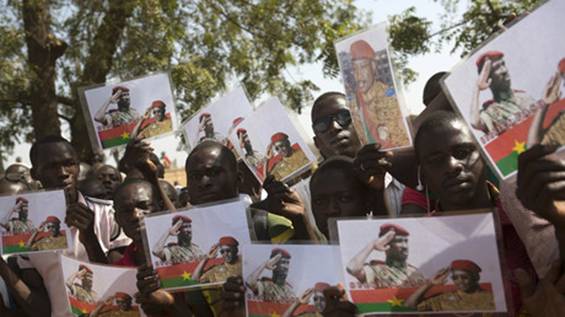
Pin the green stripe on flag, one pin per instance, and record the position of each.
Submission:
(114, 142)
(76, 311)
(382, 307)
(8, 249)
(508, 164)
(177, 282)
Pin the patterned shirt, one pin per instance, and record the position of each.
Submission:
(175, 253)
(496, 115)
(269, 291)
(16, 226)
(381, 275)
(221, 272)
(459, 301)
(116, 118)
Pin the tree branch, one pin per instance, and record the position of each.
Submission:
(68, 119)
(65, 101)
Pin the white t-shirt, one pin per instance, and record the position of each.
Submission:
(49, 264)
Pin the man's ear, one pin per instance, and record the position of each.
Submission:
(316, 142)
(33, 172)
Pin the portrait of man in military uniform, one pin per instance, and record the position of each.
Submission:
(283, 158)
(395, 271)
(181, 251)
(313, 295)
(156, 122)
(252, 157)
(376, 101)
(468, 296)
(276, 288)
(21, 223)
(80, 285)
(553, 110)
(123, 114)
(206, 126)
(231, 265)
(118, 305)
(55, 239)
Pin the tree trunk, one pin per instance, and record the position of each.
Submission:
(43, 49)
(97, 67)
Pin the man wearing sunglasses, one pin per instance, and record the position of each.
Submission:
(228, 248)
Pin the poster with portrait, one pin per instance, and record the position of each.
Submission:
(373, 97)
(444, 264)
(288, 280)
(511, 91)
(100, 290)
(197, 247)
(143, 106)
(34, 222)
(270, 144)
(218, 120)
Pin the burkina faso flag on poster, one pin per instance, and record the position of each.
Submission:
(505, 149)
(180, 275)
(116, 136)
(257, 308)
(15, 243)
(80, 308)
(392, 299)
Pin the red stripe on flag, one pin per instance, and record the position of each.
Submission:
(178, 269)
(266, 308)
(80, 305)
(385, 294)
(117, 131)
(14, 240)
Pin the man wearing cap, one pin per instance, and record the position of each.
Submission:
(394, 272)
(228, 248)
(124, 113)
(376, 100)
(157, 121)
(548, 125)
(316, 294)
(275, 289)
(508, 105)
(207, 126)
(122, 308)
(54, 239)
(21, 224)
(181, 251)
(252, 157)
(469, 296)
(284, 158)
(80, 285)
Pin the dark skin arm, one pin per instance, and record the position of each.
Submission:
(153, 300)
(233, 295)
(285, 202)
(30, 296)
(81, 217)
(336, 303)
(541, 187)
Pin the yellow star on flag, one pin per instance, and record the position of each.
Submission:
(125, 135)
(84, 311)
(519, 147)
(274, 314)
(21, 244)
(395, 301)
(185, 276)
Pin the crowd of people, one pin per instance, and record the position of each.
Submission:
(444, 172)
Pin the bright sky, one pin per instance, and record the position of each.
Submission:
(380, 9)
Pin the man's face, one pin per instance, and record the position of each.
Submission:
(87, 281)
(464, 281)
(185, 234)
(281, 269)
(208, 127)
(398, 250)
(123, 304)
(319, 301)
(110, 178)
(245, 143)
(158, 113)
(337, 139)
(57, 167)
(364, 73)
(132, 205)
(52, 228)
(229, 253)
(124, 102)
(452, 166)
(283, 148)
(209, 176)
(336, 194)
(23, 212)
(499, 75)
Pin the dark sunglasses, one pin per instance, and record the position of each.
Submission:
(323, 124)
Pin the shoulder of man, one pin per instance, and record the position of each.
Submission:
(377, 263)
(266, 279)
(271, 227)
(487, 104)
(171, 244)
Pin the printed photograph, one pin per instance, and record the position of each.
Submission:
(446, 264)
(100, 290)
(218, 120)
(270, 144)
(34, 222)
(287, 280)
(141, 107)
(372, 94)
(198, 247)
(510, 95)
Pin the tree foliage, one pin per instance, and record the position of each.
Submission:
(206, 45)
